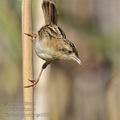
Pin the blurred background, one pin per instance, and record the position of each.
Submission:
(87, 92)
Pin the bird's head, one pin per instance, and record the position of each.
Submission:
(69, 51)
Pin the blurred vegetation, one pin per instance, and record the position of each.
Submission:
(10, 44)
(10, 53)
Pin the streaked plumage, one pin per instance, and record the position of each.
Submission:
(56, 45)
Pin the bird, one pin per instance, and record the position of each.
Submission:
(50, 42)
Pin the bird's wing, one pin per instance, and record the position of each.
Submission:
(56, 31)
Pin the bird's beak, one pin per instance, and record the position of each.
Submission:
(76, 59)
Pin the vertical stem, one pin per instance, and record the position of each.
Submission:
(27, 59)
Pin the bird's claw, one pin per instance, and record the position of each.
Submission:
(33, 86)
(33, 35)
(32, 81)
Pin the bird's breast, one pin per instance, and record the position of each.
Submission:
(43, 52)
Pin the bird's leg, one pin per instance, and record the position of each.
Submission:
(36, 81)
(33, 35)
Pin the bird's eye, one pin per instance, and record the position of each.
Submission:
(69, 51)
(66, 51)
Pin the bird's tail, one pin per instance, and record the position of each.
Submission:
(49, 11)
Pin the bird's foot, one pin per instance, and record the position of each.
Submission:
(33, 35)
(34, 83)
(33, 86)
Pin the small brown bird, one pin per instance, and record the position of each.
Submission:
(51, 42)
